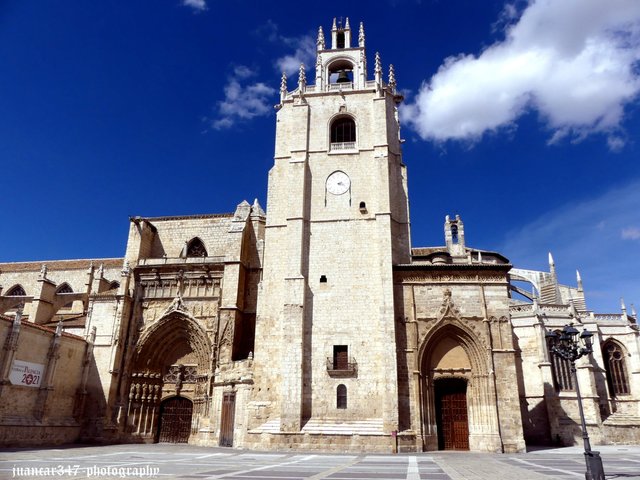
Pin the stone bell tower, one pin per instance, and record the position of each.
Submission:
(337, 222)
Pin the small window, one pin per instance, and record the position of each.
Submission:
(616, 369)
(340, 357)
(341, 397)
(196, 248)
(454, 233)
(64, 288)
(340, 40)
(16, 291)
(323, 279)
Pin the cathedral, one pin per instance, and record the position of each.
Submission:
(314, 325)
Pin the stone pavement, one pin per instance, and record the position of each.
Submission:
(166, 461)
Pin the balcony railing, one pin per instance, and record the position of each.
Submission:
(340, 86)
(336, 369)
(337, 146)
(179, 260)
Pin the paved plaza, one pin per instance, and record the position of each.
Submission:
(167, 461)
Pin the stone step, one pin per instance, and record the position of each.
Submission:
(328, 427)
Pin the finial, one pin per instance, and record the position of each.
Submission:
(283, 84)
(346, 24)
(90, 269)
(125, 269)
(361, 35)
(334, 27)
(579, 279)
(320, 42)
(392, 78)
(378, 65)
(302, 78)
(59, 328)
(633, 311)
(101, 271)
(43, 271)
(622, 306)
(551, 262)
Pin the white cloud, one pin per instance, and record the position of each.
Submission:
(197, 5)
(305, 52)
(588, 236)
(304, 48)
(630, 233)
(573, 61)
(243, 100)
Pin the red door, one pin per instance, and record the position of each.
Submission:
(451, 411)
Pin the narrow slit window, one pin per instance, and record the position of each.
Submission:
(341, 397)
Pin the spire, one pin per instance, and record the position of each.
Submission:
(633, 311)
(623, 306)
(552, 265)
(579, 279)
(361, 35)
(320, 42)
(392, 78)
(346, 24)
(378, 65)
(334, 26)
(302, 78)
(283, 87)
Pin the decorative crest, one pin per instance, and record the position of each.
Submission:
(361, 35)
(320, 42)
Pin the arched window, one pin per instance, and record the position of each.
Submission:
(196, 248)
(560, 370)
(16, 291)
(64, 288)
(343, 134)
(341, 396)
(616, 369)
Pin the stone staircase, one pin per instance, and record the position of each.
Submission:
(372, 426)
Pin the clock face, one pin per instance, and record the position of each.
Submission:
(338, 183)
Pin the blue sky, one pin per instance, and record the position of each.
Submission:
(522, 117)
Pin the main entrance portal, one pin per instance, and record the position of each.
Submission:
(175, 420)
(451, 414)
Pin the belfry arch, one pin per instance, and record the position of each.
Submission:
(457, 394)
(171, 361)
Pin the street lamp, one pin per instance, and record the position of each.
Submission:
(567, 345)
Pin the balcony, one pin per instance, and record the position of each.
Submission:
(342, 146)
(145, 262)
(342, 369)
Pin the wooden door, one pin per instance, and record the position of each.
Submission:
(227, 419)
(175, 420)
(451, 411)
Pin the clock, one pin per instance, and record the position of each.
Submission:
(338, 183)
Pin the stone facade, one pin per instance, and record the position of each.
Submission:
(316, 326)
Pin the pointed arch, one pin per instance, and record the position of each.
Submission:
(453, 332)
(613, 354)
(16, 291)
(196, 248)
(170, 339)
(64, 288)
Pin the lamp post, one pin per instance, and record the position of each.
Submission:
(568, 346)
